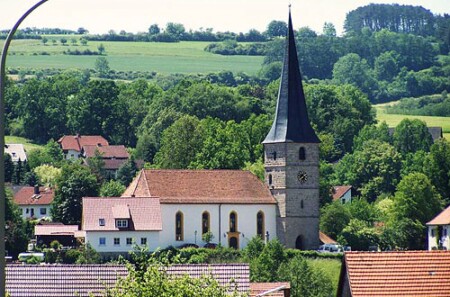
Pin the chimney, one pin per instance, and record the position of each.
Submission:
(36, 189)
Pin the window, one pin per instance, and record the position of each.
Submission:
(301, 204)
(101, 222)
(32, 212)
(302, 154)
(28, 210)
(444, 232)
(432, 232)
(260, 224)
(274, 155)
(121, 223)
(129, 241)
(116, 241)
(233, 222)
(143, 240)
(270, 179)
(102, 241)
(205, 222)
(43, 211)
(179, 226)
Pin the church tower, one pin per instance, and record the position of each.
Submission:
(291, 158)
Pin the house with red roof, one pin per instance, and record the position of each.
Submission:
(46, 233)
(439, 231)
(34, 202)
(395, 274)
(72, 144)
(114, 156)
(342, 193)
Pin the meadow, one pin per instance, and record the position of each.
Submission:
(393, 119)
(165, 58)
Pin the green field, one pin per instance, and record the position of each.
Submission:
(393, 119)
(330, 267)
(165, 58)
(29, 146)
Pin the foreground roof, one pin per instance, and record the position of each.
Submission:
(144, 213)
(76, 142)
(200, 186)
(61, 280)
(441, 219)
(291, 123)
(407, 273)
(269, 289)
(27, 196)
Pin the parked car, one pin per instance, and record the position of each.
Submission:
(187, 245)
(210, 245)
(330, 248)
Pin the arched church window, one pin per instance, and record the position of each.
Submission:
(233, 222)
(205, 222)
(302, 154)
(260, 226)
(179, 225)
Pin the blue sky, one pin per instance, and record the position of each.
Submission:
(99, 16)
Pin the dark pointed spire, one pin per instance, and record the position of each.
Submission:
(291, 123)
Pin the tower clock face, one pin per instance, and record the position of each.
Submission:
(302, 176)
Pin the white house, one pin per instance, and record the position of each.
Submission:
(439, 231)
(176, 207)
(72, 144)
(16, 151)
(34, 202)
(342, 193)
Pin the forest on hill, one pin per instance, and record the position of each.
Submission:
(218, 120)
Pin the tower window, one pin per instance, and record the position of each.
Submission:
(260, 224)
(270, 179)
(205, 222)
(301, 204)
(274, 155)
(302, 154)
(179, 226)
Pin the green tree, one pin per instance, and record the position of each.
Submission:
(329, 30)
(47, 174)
(333, 219)
(276, 29)
(88, 255)
(96, 164)
(75, 182)
(9, 167)
(102, 67)
(30, 179)
(359, 235)
(112, 188)
(44, 40)
(175, 29)
(127, 172)
(63, 40)
(101, 49)
(15, 236)
(416, 200)
(264, 268)
(305, 281)
(386, 66)
(371, 132)
(154, 29)
(411, 136)
(18, 173)
(437, 167)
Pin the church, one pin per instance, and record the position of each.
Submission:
(164, 208)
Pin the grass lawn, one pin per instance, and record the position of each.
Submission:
(29, 146)
(165, 58)
(330, 267)
(393, 119)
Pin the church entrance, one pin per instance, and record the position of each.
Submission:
(299, 243)
(233, 242)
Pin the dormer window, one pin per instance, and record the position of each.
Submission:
(122, 224)
(101, 222)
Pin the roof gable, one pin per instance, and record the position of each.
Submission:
(441, 219)
(144, 213)
(16, 151)
(201, 187)
(339, 191)
(27, 196)
(76, 142)
(408, 273)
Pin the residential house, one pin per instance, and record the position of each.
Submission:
(34, 202)
(46, 233)
(342, 193)
(439, 231)
(16, 151)
(404, 273)
(72, 144)
(114, 156)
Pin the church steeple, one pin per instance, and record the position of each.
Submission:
(291, 123)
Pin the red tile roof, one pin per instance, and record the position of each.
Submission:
(76, 142)
(26, 196)
(441, 219)
(201, 186)
(339, 191)
(145, 213)
(326, 239)
(263, 288)
(61, 280)
(113, 164)
(407, 273)
(231, 275)
(108, 151)
(52, 229)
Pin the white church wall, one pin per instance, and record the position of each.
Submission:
(219, 224)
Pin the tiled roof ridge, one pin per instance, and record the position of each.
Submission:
(198, 170)
(398, 252)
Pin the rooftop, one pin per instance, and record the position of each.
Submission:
(76, 142)
(339, 191)
(27, 196)
(441, 219)
(200, 186)
(107, 151)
